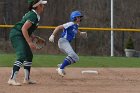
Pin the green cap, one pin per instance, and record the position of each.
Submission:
(30, 1)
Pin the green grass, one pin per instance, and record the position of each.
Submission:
(7, 60)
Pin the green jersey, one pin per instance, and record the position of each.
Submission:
(18, 41)
(31, 16)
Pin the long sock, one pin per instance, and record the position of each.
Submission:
(27, 72)
(27, 68)
(64, 64)
(15, 70)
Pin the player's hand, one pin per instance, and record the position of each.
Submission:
(51, 38)
(32, 46)
(83, 34)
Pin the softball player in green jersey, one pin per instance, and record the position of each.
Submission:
(20, 36)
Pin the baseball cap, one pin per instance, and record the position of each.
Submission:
(40, 2)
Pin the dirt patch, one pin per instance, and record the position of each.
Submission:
(109, 80)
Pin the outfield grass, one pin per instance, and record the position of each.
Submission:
(7, 60)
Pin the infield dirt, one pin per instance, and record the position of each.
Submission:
(109, 80)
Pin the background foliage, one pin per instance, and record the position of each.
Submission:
(96, 14)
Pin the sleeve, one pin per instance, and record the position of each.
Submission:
(67, 25)
(32, 18)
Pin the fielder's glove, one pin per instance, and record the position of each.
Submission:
(38, 42)
(51, 38)
(83, 34)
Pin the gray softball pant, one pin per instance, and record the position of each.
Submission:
(65, 47)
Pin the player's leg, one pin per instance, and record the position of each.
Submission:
(72, 57)
(19, 46)
(65, 47)
(27, 66)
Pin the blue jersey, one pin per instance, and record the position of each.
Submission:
(70, 31)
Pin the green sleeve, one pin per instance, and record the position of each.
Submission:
(32, 18)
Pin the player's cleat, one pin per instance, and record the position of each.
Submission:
(13, 82)
(61, 72)
(29, 81)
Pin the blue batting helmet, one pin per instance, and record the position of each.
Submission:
(75, 14)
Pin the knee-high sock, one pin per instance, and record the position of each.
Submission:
(27, 68)
(15, 70)
(27, 72)
(64, 64)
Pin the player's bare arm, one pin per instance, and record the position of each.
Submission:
(56, 30)
(25, 28)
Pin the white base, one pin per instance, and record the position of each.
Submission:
(89, 71)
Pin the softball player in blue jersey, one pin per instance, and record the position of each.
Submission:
(70, 29)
